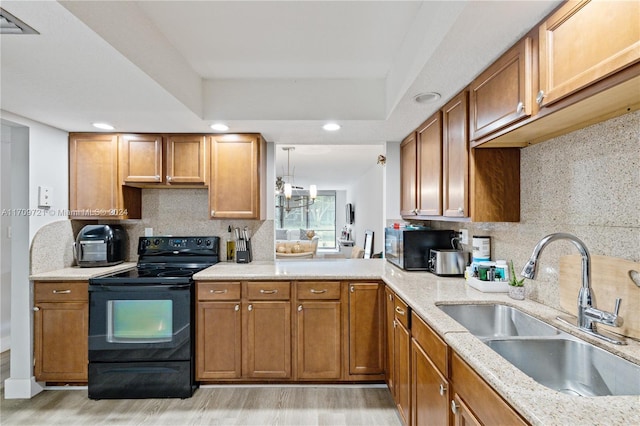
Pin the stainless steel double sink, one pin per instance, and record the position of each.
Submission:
(548, 355)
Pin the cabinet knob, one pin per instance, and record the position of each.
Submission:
(443, 389)
(158, 178)
(168, 178)
(213, 213)
(352, 289)
(236, 308)
(299, 308)
(520, 107)
(460, 210)
(36, 309)
(250, 307)
(540, 97)
(454, 407)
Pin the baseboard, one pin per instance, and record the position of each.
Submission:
(21, 388)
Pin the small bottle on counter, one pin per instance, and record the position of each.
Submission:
(231, 246)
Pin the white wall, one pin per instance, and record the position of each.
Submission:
(39, 156)
(367, 197)
(392, 183)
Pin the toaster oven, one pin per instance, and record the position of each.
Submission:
(100, 245)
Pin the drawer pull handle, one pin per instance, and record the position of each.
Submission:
(400, 311)
(443, 389)
(218, 291)
(454, 407)
(314, 291)
(263, 291)
(61, 291)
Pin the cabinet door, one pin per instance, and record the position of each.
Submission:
(462, 415)
(583, 42)
(389, 359)
(93, 173)
(502, 94)
(479, 397)
(141, 158)
(319, 336)
(186, 159)
(267, 342)
(218, 340)
(429, 188)
(61, 333)
(455, 157)
(366, 328)
(237, 166)
(401, 352)
(429, 390)
(408, 176)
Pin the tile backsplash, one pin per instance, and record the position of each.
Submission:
(586, 183)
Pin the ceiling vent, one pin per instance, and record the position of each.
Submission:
(9, 24)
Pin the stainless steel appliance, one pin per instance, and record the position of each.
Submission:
(448, 262)
(409, 248)
(141, 322)
(100, 245)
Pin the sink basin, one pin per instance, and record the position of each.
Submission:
(495, 320)
(571, 366)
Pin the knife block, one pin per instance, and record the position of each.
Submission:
(244, 256)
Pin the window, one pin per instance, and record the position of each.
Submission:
(319, 216)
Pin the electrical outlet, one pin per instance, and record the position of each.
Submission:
(464, 236)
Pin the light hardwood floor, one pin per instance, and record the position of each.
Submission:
(225, 405)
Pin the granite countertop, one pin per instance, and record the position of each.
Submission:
(75, 273)
(422, 291)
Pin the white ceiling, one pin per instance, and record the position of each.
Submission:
(281, 68)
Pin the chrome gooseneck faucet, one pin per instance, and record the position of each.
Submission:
(588, 315)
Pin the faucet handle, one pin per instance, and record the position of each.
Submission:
(616, 310)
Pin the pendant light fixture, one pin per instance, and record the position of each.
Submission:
(285, 189)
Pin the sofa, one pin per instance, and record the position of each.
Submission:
(296, 244)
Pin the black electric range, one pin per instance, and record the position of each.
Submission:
(141, 321)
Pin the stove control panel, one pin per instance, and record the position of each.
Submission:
(149, 245)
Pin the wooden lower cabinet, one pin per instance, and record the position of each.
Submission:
(366, 329)
(402, 372)
(479, 398)
(218, 340)
(318, 319)
(429, 390)
(267, 341)
(462, 415)
(389, 316)
(61, 331)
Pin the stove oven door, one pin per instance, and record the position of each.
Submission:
(133, 323)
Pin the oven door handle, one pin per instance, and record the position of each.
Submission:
(134, 288)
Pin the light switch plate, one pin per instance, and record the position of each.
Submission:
(45, 194)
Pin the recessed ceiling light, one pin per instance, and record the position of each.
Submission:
(220, 127)
(331, 127)
(427, 97)
(103, 126)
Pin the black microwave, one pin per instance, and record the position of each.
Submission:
(409, 248)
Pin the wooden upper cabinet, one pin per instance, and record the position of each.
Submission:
(141, 158)
(238, 164)
(186, 157)
(429, 166)
(408, 176)
(502, 94)
(585, 41)
(95, 190)
(455, 146)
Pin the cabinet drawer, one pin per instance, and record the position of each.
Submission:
(318, 290)
(61, 291)
(401, 312)
(430, 342)
(269, 290)
(219, 291)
